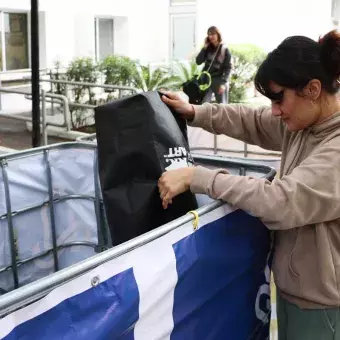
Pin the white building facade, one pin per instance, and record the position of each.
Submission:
(151, 30)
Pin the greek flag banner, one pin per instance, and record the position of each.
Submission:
(206, 284)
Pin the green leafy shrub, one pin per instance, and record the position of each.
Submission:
(79, 70)
(245, 61)
(123, 71)
(118, 70)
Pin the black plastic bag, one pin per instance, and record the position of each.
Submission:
(193, 88)
(139, 138)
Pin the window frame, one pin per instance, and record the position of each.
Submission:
(96, 34)
(3, 40)
(174, 15)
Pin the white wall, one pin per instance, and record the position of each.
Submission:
(263, 22)
(42, 39)
(15, 5)
(60, 36)
(84, 16)
(121, 36)
(141, 28)
(55, 25)
(149, 29)
(83, 31)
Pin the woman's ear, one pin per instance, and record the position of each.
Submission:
(313, 89)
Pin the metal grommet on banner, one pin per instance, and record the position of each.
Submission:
(196, 220)
(95, 281)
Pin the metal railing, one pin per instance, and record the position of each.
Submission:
(69, 83)
(103, 241)
(80, 83)
(91, 138)
(62, 99)
(246, 152)
(34, 291)
(50, 97)
(84, 84)
(31, 292)
(215, 149)
(43, 71)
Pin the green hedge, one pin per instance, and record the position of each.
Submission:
(246, 59)
(121, 70)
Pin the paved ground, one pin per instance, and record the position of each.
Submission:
(14, 135)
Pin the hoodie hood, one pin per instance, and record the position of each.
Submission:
(327, 126)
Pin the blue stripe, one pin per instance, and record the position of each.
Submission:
(108, 311)
(220, 269)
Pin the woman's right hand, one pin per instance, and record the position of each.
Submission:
(180, 105)
(206, 43)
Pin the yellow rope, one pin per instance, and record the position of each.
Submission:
(196, 219)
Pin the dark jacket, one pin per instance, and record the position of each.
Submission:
(222, 64)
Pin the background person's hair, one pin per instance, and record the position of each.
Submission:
(213, 30)
(299, 59)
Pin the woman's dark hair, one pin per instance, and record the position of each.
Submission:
(299, 59)
(215, 30)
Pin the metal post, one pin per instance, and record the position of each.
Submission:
(43, 116)
(97, 208)
(0, 96)
(11, 232)
(67, 114)
(52, 211)
(52, 108)
(245, 153)
(36, 138)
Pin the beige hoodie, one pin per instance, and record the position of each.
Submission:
(302, 206)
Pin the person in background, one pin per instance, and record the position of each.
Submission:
(301, 77)
(219, 69)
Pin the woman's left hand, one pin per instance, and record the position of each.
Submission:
(173, 183)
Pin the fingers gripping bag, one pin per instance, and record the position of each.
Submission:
(139, 138)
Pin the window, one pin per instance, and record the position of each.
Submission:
(336, 10)
(13, 41)
(103, 28)
(183, 31)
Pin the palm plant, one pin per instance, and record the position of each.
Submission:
(185, 71)
(148, 79)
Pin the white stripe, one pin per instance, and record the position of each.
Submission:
(156, 276)
(163, 262)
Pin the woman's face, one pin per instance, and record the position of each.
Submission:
(213, 37)
(297, 110)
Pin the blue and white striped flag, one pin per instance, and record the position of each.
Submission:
(208, 284)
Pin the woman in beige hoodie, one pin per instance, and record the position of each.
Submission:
(301, 77)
